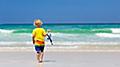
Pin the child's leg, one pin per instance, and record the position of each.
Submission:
(38, 56)
(41, 56)
(42, 53)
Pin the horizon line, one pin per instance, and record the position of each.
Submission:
(64, 23)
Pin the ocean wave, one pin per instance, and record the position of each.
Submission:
(73, 31)
(115, 30)
(66, 31)
(6, 31)
(83, 31)
(110, 35)
(23, 31)
(70, 31)
(63, 34)
(15, 31)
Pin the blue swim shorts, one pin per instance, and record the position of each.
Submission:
(39, 48)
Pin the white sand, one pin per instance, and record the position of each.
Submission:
(77, 56)
(61, 59)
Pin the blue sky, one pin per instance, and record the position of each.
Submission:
(24, 11)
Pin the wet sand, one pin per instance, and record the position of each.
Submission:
(64, 48)
(61, 59)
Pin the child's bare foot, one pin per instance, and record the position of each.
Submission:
(40, 61)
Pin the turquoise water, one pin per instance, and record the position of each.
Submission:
(27, 28)
(64, 34)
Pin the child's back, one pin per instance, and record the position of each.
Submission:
(39, 34)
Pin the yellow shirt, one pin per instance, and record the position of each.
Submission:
(39, 34)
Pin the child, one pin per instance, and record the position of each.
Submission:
(49, 36)
(38, 36)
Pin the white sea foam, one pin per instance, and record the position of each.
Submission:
(6, 31)
(13, 43)
(60, 34)
(110, 35)
(18, 44)
(115, 30)
(85, 43)
(64, 34)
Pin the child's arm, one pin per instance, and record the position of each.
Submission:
(44, 33)
(33, 39)
(33, 36)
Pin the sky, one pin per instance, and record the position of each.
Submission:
(57, 11)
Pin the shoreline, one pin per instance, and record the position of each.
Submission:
(56, 48)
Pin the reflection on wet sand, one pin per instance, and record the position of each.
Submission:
(40, 64)
(45, 61)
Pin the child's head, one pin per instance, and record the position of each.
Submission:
(38, 22)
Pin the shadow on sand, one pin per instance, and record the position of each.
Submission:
(42, 64)
(49, 61)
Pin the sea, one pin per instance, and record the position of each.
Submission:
(62, 34)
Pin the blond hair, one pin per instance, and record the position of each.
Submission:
(38, 22)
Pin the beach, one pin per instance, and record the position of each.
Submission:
(72, 33)
(84, 56)
(60, 59)
(74, 46)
